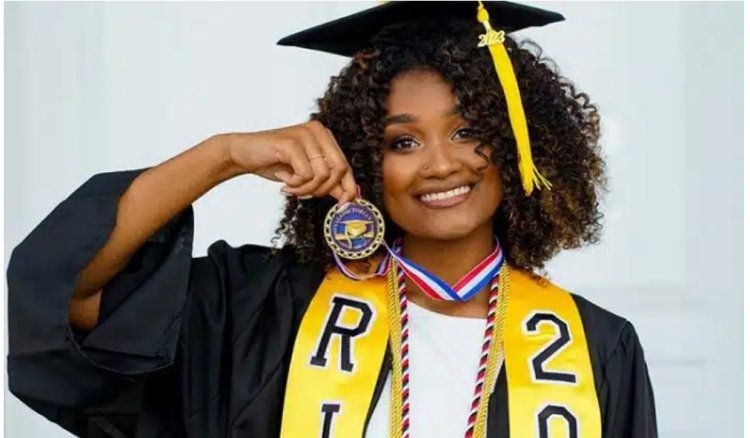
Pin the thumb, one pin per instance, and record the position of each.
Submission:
(342, 195)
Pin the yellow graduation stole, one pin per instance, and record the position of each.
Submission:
(341, 344)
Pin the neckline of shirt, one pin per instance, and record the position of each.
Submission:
(425, 313)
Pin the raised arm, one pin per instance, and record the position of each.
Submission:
(290, 154)
(153, 198)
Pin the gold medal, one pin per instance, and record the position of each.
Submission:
(356, 232)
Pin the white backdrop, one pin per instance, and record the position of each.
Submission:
(93, 87)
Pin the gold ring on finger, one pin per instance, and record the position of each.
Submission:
(317, 156)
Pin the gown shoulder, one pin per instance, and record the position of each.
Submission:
(173, 330)
(624, 388)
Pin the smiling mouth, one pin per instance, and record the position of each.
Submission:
(448, 198)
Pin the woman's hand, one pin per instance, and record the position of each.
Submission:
(305, 157)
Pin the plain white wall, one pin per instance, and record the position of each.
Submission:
(93, 87)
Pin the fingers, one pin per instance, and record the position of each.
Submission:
(297, 160)
(344, 173)
(336, 161)
(349, 187)
(330, 171)
(291, 179)
(313, 154)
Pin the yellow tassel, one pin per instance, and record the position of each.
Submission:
(530, 176)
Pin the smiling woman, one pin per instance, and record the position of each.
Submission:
(435, 184)
(485, 162)
(383, 104)
(439, 188)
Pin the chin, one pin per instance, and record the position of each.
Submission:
(444, 230)
(444, 235)
(444, 224)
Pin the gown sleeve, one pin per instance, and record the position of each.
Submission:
(92, 384)
(627, 395)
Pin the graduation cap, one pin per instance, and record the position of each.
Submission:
(348, 35)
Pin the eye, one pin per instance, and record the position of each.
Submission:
(403, 143)
(466, 133)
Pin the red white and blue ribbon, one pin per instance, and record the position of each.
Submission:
(379, 272)
(437, 289)
(465, 288)
(481, 379)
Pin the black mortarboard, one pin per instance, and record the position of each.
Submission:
(347, 35)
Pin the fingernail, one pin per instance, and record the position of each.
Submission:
(277, 175)
(302, 198)
(343, 207)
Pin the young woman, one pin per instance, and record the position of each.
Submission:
(115, 330)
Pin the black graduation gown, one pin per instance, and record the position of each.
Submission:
(200, 347)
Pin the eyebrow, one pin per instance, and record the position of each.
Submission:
(408, 118)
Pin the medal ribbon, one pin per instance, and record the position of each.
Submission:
(435, 288)
(488, 363)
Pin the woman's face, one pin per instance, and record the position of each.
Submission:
(435, 185)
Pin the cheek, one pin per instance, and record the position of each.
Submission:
(494, 184)
(397, 178)
(495, 179)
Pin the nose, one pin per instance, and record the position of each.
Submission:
(440, 160)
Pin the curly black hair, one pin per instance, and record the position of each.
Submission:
(563, 127)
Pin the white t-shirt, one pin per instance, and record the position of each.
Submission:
(443, 357)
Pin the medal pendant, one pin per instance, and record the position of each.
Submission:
(355, 233)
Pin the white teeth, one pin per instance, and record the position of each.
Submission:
(444, 195)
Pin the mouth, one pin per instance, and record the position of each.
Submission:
(446, 199)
